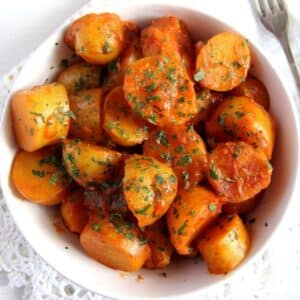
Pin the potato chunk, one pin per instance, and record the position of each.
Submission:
(149, 187)
(238, 171)
(160, 91)
(161, 248)
(122, 125)
(115, 242)
(241, 118)
(40, 116)
(224, 245)
(223, 62)
(88, 164)
(181, 148)
(73, 212)
(80, 76)
(190, 213)
(97, 38)
(86, 106)
(39, 177)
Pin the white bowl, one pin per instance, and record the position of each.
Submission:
(185, 278)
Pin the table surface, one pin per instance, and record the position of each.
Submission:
(23, 26)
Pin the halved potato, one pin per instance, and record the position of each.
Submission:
(189, 215)
(149, 187)
(40, 116)
(39, 177)
(224, 245)
(86, 106)
(121, 124)
(80, 76)
(88, 164)
(73, 212)
(115, 242)
(241, 118)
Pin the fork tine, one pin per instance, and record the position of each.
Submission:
(271, 5)
(281, 4)
(261, 7)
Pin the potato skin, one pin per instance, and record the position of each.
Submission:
(161, 248)
(181, 148)
(73, 212)
(254, 89)
(160, 91)
(225, 244)
(189, 215)
(108, 29)
(115, 242)
(223, 62)
(121, 124)
(149, 188)
(40, 116)
(169, 36)
(241, 118)
(89, 164)
(237, 171)
(80, 76)
(37, 176)
(86, 106)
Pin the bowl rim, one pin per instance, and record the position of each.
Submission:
(275, 228)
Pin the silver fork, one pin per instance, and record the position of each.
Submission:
(274, 16)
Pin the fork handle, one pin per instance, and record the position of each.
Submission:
(284, 41)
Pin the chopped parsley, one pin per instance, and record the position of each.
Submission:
(184, 161)
(39, 173)
(181, 228)
(161, 138)
(199, 75)
(212, 207)
(143, 211)
(213, 172)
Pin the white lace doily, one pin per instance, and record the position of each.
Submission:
(274, 275)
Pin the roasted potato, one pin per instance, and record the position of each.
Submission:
(80, 76)
(73, 212)
(115, 242)
(225, 244)
(159, 90)
(161, 248)
(149, 187)
(40, 116)
(182, 148)
(254, 89)
(238, 171)
(223, 62)
(241, 118)
(88, 164)
(169, 36)
(132, 52)
(121, 124)
(97, 38)
(39, 177)
(86, 106)
(190, 213)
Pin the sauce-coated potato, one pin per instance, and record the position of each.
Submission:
(225, 244)
(161, 248)
(132, 52)
(122, 125)
(237, 171)
(86, 106)
(38, 176)
(115, 242)
(241, 118)
(223, 62)
(80, 76)
(190, 213)
(149, 187)
(169, 36)
(182, 149)
(97, 38)
(40, 116)
(89, 164)
(159, 90)
(253, 89)
(73, 212)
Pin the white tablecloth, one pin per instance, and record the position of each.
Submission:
(275, 275)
